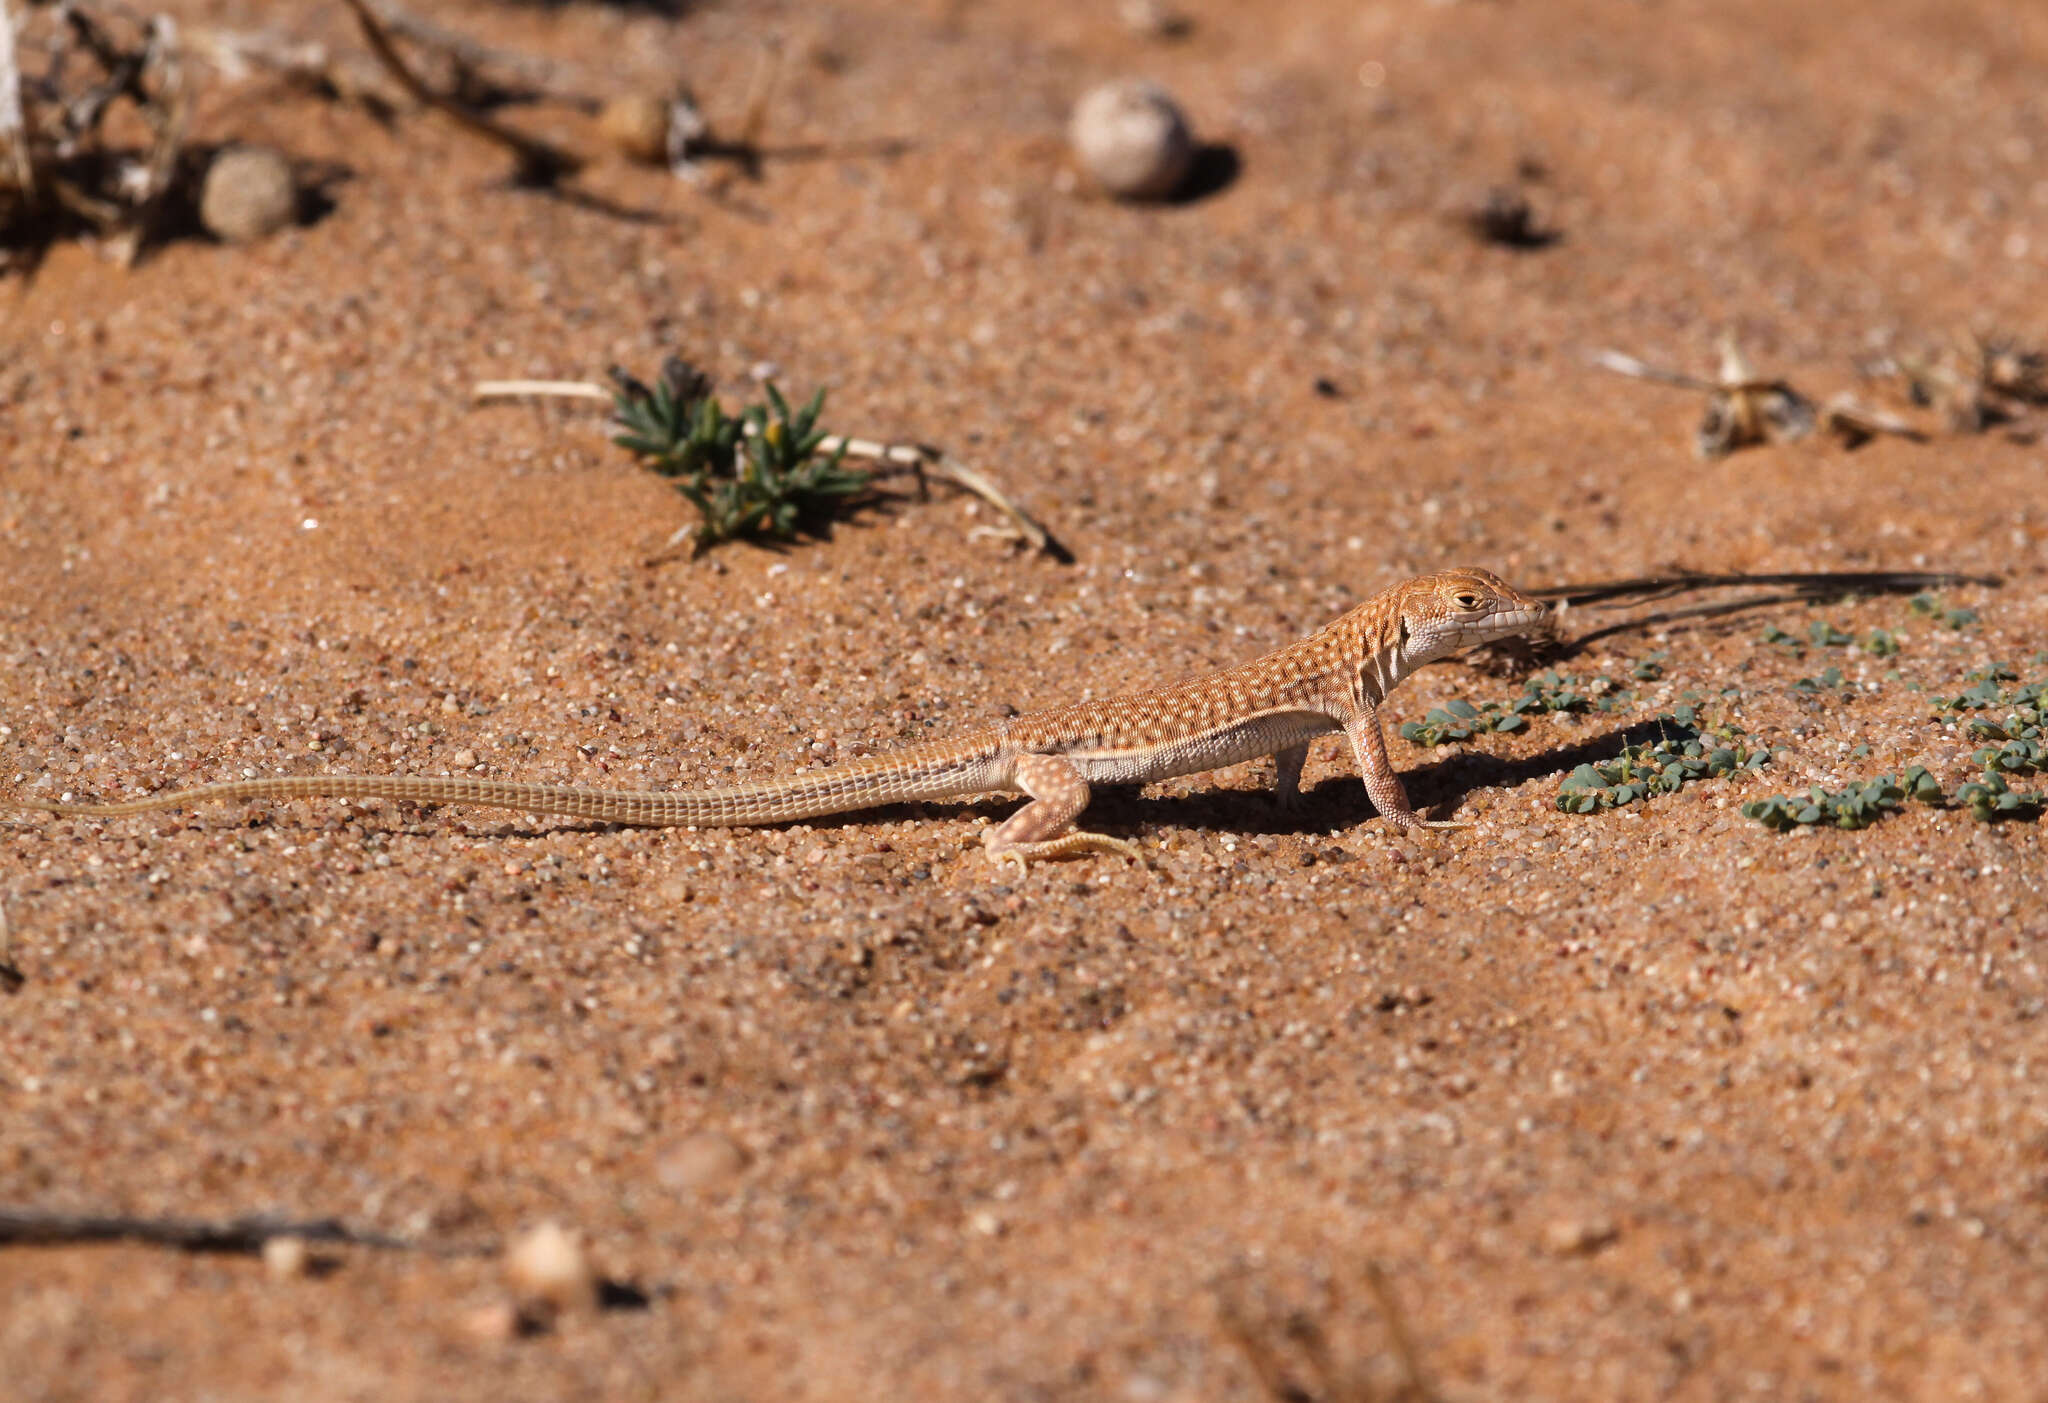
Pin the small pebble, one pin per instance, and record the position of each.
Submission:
(248, 194)
(699, 1162)
(284, 1258)
(500, 1320)
(550, 1264)
(465, 759)
(637, 125)
(1153, 19)
(1132, 140)
(1579, 1237)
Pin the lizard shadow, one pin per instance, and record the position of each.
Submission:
(1341, 800)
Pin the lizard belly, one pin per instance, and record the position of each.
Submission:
(1206, 750)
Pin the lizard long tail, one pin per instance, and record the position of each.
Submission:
(936, 771)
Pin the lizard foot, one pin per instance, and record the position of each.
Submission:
(1066, 846)
(1415, 823)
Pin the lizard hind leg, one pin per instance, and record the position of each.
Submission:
(1059, 792)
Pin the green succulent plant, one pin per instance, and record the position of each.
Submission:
(764, 473)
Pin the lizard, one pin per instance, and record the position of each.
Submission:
(1332, 680)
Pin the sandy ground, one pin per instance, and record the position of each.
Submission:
(1642, 1104)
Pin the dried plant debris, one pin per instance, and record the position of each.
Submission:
(1855, 423)
(1742, 409)
(1977, 382)
(475, 75)
(94, 105)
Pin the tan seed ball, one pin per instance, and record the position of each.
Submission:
(549, 1264)
(248, 194)
(1132, 140)
(638, 126)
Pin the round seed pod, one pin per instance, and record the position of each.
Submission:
(248, 194)
(1132, 140)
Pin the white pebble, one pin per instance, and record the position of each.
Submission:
(1132, 140)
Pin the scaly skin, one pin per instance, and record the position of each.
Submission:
(1333, 680)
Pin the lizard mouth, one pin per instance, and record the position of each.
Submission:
(1513, 621)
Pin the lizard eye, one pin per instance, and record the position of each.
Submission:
(1466, 599)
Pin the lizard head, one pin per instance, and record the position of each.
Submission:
(1454, 610)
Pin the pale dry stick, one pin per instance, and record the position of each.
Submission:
(921, 459)
(170, 117)
(236, 54)
(1332, 681)
(11, 979)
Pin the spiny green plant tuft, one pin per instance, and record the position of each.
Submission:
(761, 473)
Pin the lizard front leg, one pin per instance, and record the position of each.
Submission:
(1287, 776)
(1059, 792)
(1369, 748)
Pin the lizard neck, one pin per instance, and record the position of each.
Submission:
(1379, 647)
